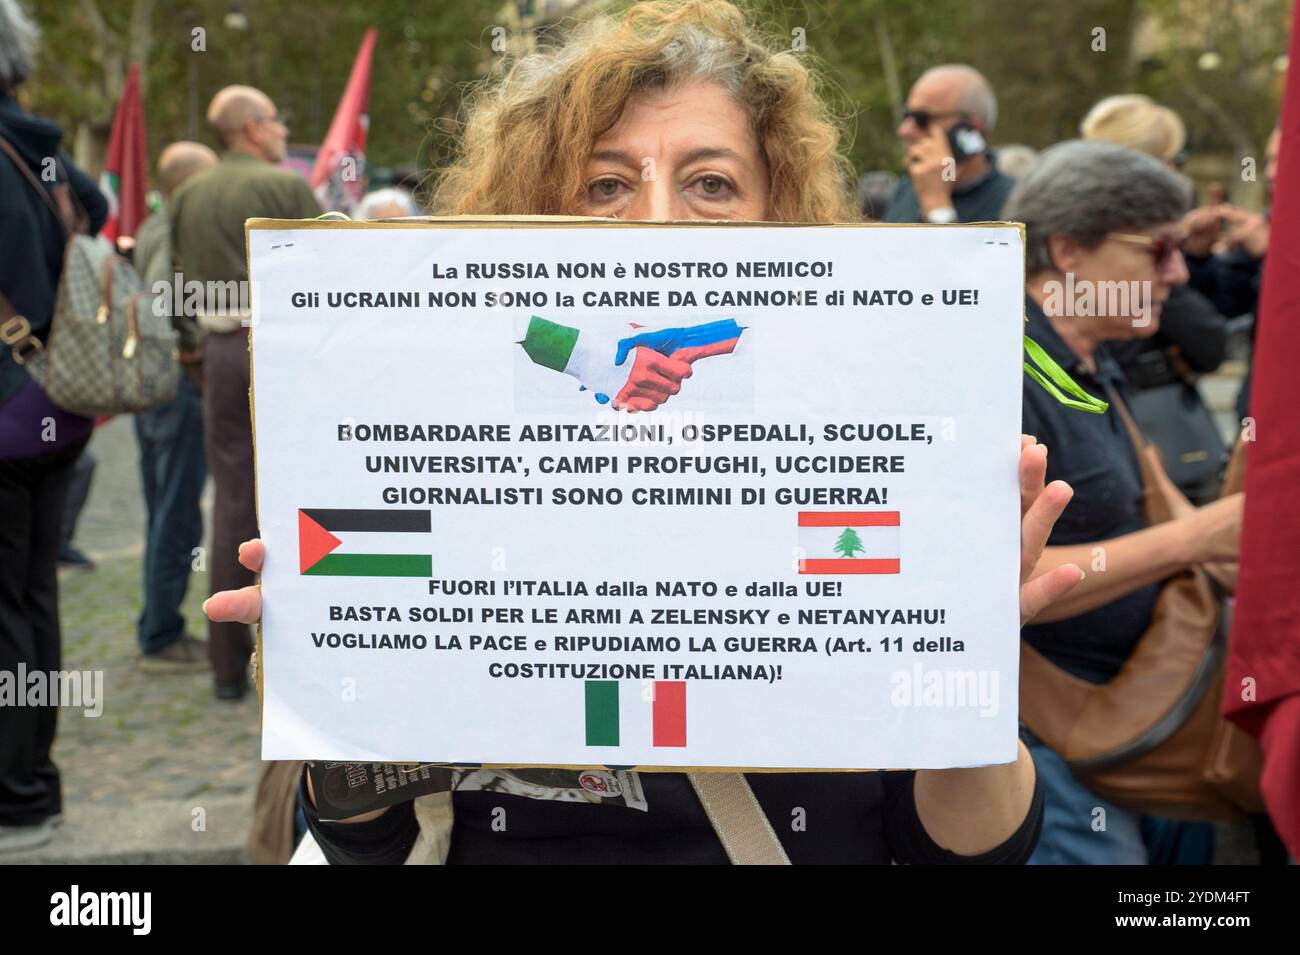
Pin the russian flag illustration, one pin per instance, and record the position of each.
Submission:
(599, 358)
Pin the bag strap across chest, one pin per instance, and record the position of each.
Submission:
(67, 211)
(738, 819)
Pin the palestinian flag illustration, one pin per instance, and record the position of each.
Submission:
(668, 718)
(603, 360)
(317, 542)
(849, 542)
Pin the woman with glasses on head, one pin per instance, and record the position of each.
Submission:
(732, 128)
(1103, 228)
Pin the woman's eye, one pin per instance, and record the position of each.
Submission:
(604, 189)
(714, 187)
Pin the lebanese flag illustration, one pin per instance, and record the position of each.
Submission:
(668, 718)
(849, 542)
(317, 541)
(603, 359)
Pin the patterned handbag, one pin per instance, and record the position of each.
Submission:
(107, 352)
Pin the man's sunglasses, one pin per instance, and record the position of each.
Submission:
(924, 117)
(1161, 247)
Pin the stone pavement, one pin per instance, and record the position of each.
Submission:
(165, 773)
(1220, 393)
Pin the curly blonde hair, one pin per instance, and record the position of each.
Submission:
(528, 135)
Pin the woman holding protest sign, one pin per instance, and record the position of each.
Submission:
(679, 111)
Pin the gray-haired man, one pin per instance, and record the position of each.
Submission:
(207, 240)
(951, 174)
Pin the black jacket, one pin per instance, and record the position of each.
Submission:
(978, 201)
(1231, 280)
(31, 238)
(1190, 322)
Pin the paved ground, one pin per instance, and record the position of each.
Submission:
(1220, 393)
(166, 773)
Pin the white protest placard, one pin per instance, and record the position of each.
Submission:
(806, 557)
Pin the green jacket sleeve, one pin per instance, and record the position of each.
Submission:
(302, 202)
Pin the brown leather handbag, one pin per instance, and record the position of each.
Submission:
(1152, 738)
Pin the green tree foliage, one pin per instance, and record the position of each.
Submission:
(1217, 63)
(1048, 60)
(298, 51)
(848, 543)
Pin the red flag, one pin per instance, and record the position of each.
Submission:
(126, 167)
(341, 159)
(1262, 694)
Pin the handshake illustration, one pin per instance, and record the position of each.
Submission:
(633, 372)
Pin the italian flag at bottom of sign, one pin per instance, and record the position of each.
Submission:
(668, 718)
(849, 542)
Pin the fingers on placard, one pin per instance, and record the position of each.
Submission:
(252, 554)
(1037, 523)
(1046, 510)
(1033, 471)
(235, 606)
(1041, 592)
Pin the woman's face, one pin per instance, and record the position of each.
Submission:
(1131, 277)
(688, 152)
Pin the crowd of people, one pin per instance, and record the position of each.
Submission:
(736, 131)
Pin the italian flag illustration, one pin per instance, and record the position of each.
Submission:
(668, 718)
(849, 542)
(317, 542)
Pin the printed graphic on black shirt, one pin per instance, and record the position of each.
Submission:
(596, 786)
(344, 790)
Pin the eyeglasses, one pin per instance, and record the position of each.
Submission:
(1161, 247)
(924, 117)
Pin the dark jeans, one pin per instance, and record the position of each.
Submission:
(228, 433)
(172, 471)
(83, 472)
(32, 495)
(1081, 828)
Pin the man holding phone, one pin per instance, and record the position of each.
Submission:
(951, 176)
